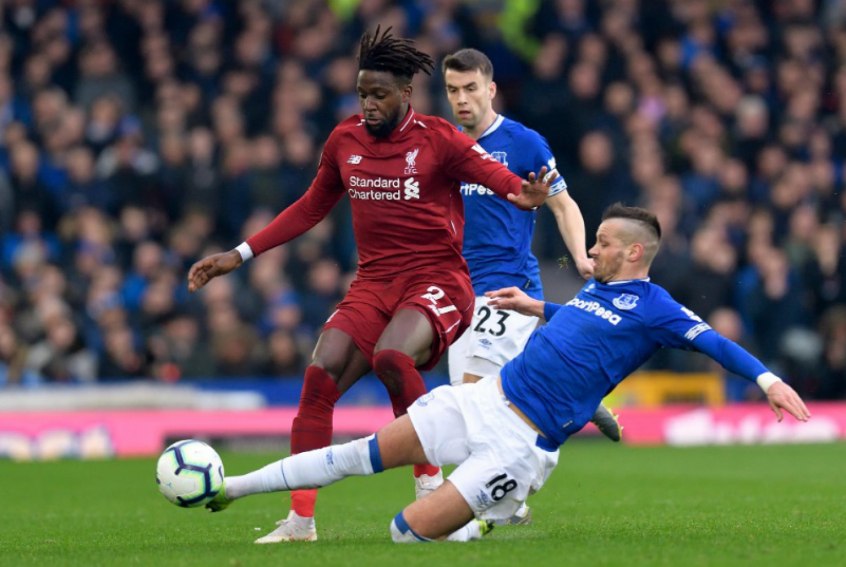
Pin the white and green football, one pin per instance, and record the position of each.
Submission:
(189, 473)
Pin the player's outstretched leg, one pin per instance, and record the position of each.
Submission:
(317, 468)
(395, 445)
(608, 423)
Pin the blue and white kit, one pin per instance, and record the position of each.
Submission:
(497, 247)
(587, 347)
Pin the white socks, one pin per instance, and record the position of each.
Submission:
(263, 480)
(401, 532)
(311, 469)
(322, 467)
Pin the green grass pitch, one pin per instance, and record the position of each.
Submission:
(604, 505)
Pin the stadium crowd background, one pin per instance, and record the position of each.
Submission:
(139, 135)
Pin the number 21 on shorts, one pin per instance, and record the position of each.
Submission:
(435, 294)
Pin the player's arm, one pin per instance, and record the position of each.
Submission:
(571, 225)
(568, 216)
(307, 211)
(674, 325)
(738, 360)
(468, 161)
(515, 299)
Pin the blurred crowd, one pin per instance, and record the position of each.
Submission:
(139, 135)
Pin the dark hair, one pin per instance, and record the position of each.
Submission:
(621, 211)
(397, 56)
(468, 59)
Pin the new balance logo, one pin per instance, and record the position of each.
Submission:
(354, 159)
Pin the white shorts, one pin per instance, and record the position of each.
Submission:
(499, 462)
(494, 337)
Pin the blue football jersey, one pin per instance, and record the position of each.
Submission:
(498, 235)
(590, 344)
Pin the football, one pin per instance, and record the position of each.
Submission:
(189, 473)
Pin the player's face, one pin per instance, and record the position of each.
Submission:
(470, 95)
(609, 252)
(384, 101)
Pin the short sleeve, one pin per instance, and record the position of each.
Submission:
(542, 157)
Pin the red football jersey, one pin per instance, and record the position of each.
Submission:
(404, 189)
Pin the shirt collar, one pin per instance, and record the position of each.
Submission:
(493, 127)
(406, 124)
(618, 282)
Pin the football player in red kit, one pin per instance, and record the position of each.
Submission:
(412, 296)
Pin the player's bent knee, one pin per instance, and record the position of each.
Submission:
(390, 365)
(401, 532)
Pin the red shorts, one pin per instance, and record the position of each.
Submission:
(446, 298)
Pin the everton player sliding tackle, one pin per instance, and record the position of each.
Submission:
(412, 294)
(504, 431)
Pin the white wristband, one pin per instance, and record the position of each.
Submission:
(245, 251)
(766, 380)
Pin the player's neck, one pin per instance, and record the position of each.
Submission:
(483, 125)
(630, 275)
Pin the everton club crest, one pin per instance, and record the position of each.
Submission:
(625, 302)
(501, 157)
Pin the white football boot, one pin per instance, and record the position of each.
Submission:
(292, 528)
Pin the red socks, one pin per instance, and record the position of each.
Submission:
(427, 469)
(303, 501)
(312, 428)
(397, 372)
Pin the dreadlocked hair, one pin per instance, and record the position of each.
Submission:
(397, 56)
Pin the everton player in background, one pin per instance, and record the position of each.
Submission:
(412, 294)
(498, 237)
(504, 431)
